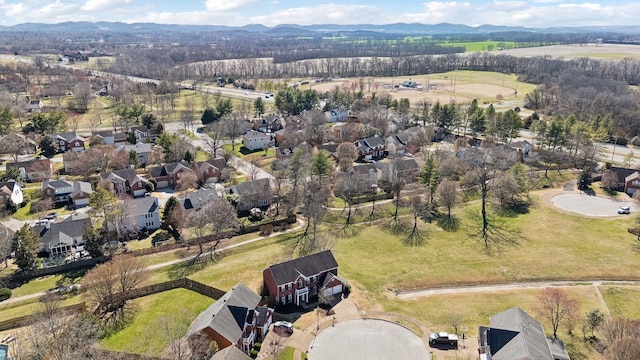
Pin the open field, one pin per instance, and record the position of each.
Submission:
(604, 51)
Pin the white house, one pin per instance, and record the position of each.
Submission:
(10, 191)
(256, 140)
(337, 115)
(142, 214)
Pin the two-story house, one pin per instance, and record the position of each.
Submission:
(336, 115)
(144, 151)
(106, 136)
(22, 144)
(33, 170)
(396, 145)
(143, 134)
(209, 171)
(236, 319)
(10, 193)
(64, 192)
(141, 214)
(267, 124)
(370, 148)
(256, 140)
(252, 194)
(300, 279)
(168, 174)
(62, 238)
(70, 141)
(126, 181)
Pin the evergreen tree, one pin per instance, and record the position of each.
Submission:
(25, 241)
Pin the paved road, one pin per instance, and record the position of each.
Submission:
(589, 205)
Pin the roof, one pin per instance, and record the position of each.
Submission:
(70, 136)
(257, 186)
(167, 169)
(252, 134)
(31, 165)
(228, 315)
(288, 271)
(56, 184)
(81, 187)
(128, 174)
(103, 133)
(8, 185)
(143, 205)
(633, 176)
(138, 148)
(195, 200)
(515, 335)
(230, 353)
(622, 173)
(71, 229)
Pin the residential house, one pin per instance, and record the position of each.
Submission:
(70, 141)
(230, 353)
(34, 170)
(70, 160)
(253, 194)
(143, 134)
(405, 167)
(141, 214)
(106, 136)
(336, 115)
(23, 144)
(119, 138)
(196, 200)
(62, 238)
(73, 193)
(284, 152)
(329, 148)
(235, 320)
(267, 124)
(10, 193)
(624, 179)
(396, 145)
(371, 174)
(168, 174)
(144, 151)
(126, 181)
(209, 171)
(34, 105)
(370, 148)
(521, 148)
(513, 334)
(296, 281)
(256, 140)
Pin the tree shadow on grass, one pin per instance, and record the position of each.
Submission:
(71, 277)
(449, 223)
(190, 267)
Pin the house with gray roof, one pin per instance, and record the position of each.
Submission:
(515, 335)
(142, 150)
(256, 140)
(64, 192)
(230, 353)
(62, 238)
(126, 181)
(196, 200)
(70, 141)
(371, 147)
(168, 174)
(33, 170)
(235, 320)
(252, 194)
(298, 280)
(141, 214)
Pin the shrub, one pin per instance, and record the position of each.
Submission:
(5, 293)
(257, 346)
(253, 353)
(266, 230)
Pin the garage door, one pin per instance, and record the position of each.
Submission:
(162, 184)
(332, 290)
(137, 193)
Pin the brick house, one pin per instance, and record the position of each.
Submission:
(209, 171)
(370, 148)
(168, 174)
(126, 181)
(70, 141)
(296, 281)
(236, 319)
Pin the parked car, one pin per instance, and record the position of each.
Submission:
(51, 216)
(626, 209)
(443, 338)
(284, 324)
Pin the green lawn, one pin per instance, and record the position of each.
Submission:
(622, 300)
(144, 334)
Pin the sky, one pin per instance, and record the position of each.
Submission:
(530, 13)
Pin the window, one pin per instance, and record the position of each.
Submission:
(286, 287)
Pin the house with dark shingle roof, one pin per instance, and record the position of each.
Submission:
(230, 353)
(126, 181)
(62, 238)
(33, 170)
(298, 280)
(235, 320)
(64, 192)
(168, 174)
(253, 194)
(514, 335)
(142, 214)
(70, 141)
(371, 147)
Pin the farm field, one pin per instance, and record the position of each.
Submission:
(604, 51)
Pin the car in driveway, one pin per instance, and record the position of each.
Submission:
(51, 216)
(287, 326)
(625, 209)
(444, 338)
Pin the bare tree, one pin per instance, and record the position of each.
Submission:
(187, 180)
(418, 206)
(214, 137)
(82, 94)
(111, 283)
(447, 194)
(233, 125)
(348, 187)
(314, 127)
(215, 217)
(5, 244)
(555, 306)
(347, 153)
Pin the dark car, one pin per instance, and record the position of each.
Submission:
(51, 216)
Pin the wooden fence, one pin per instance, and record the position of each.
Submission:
(183, 283)
(30, 319)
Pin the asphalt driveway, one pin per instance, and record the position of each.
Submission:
(589, 205)
(367, 339)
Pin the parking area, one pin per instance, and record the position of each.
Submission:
(589, 205)
(367, 339)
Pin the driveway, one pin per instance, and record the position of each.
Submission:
(589, 205)
(367, 339)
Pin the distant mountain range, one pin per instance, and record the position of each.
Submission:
(398, 28)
